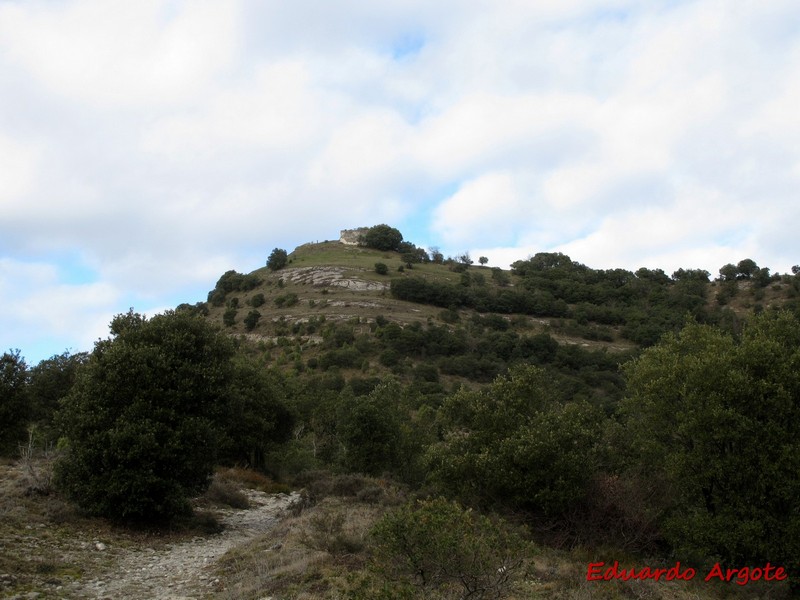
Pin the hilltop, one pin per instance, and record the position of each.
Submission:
(329, 307)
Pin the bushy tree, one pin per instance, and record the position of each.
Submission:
(251, 320)
(381, 268)
(746, 268)
(14, 407)
(50, 381)
(278, 259)
(369, 429)
(142, 420)
(518, 443)
(728, 272)
(257, 300)
(716, 418)
(256, 419)
(231, 281)
(229, 317)
(382, 237)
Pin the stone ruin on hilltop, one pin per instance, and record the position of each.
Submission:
(351, 237)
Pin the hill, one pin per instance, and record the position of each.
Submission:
(462, 323)
(451, 430)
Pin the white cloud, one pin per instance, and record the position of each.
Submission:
(39, 307)
(19, 163)
(484, 210)
(112, 53)
(166, 141)
(273, 112)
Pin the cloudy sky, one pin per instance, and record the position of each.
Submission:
(147, 147)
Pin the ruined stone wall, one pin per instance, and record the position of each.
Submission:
(351, 236)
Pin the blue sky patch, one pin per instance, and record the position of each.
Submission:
(408, 45)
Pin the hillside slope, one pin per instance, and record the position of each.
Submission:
(329, 308)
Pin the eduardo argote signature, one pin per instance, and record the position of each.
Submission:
(599, 571)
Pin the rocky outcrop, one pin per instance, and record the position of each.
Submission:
(331, 276)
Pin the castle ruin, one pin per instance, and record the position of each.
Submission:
(351, 237)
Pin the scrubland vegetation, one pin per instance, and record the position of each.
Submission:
(458, 431)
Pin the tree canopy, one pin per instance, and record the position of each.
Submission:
(278, 259)
(14, 409)
(717, 418)
(141, 421)
(382, 237)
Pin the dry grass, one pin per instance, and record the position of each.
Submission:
(240, 477)
(41, 534)
(322, 552)
(46, 543)
(307, 556)
(562, 576)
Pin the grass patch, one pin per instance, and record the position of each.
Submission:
(302, 558)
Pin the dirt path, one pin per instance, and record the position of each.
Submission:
(180, 571)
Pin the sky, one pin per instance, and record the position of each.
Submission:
(147, 147)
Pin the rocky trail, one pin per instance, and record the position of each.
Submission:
(119, 567)
(181, 570)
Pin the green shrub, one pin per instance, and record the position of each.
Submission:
(437, 547)
(326, 532)
(251, 320)
(381, 268)
(229, 317)
(257, 300)
(286, 300)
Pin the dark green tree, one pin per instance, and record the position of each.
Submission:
(381, 268)
(746, 268)
(382, 237)
(142, 420)
(369, 429)
(251, 320)
(716, 419)
(278, 259)
(728, 272)
(465, 259)
(256, 419)
(14, 407)
(483, 260)
(229, 317)
(257, 300)
(50, 381)
(518, 443)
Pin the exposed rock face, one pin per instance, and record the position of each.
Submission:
(351, 236)
(331, 276)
